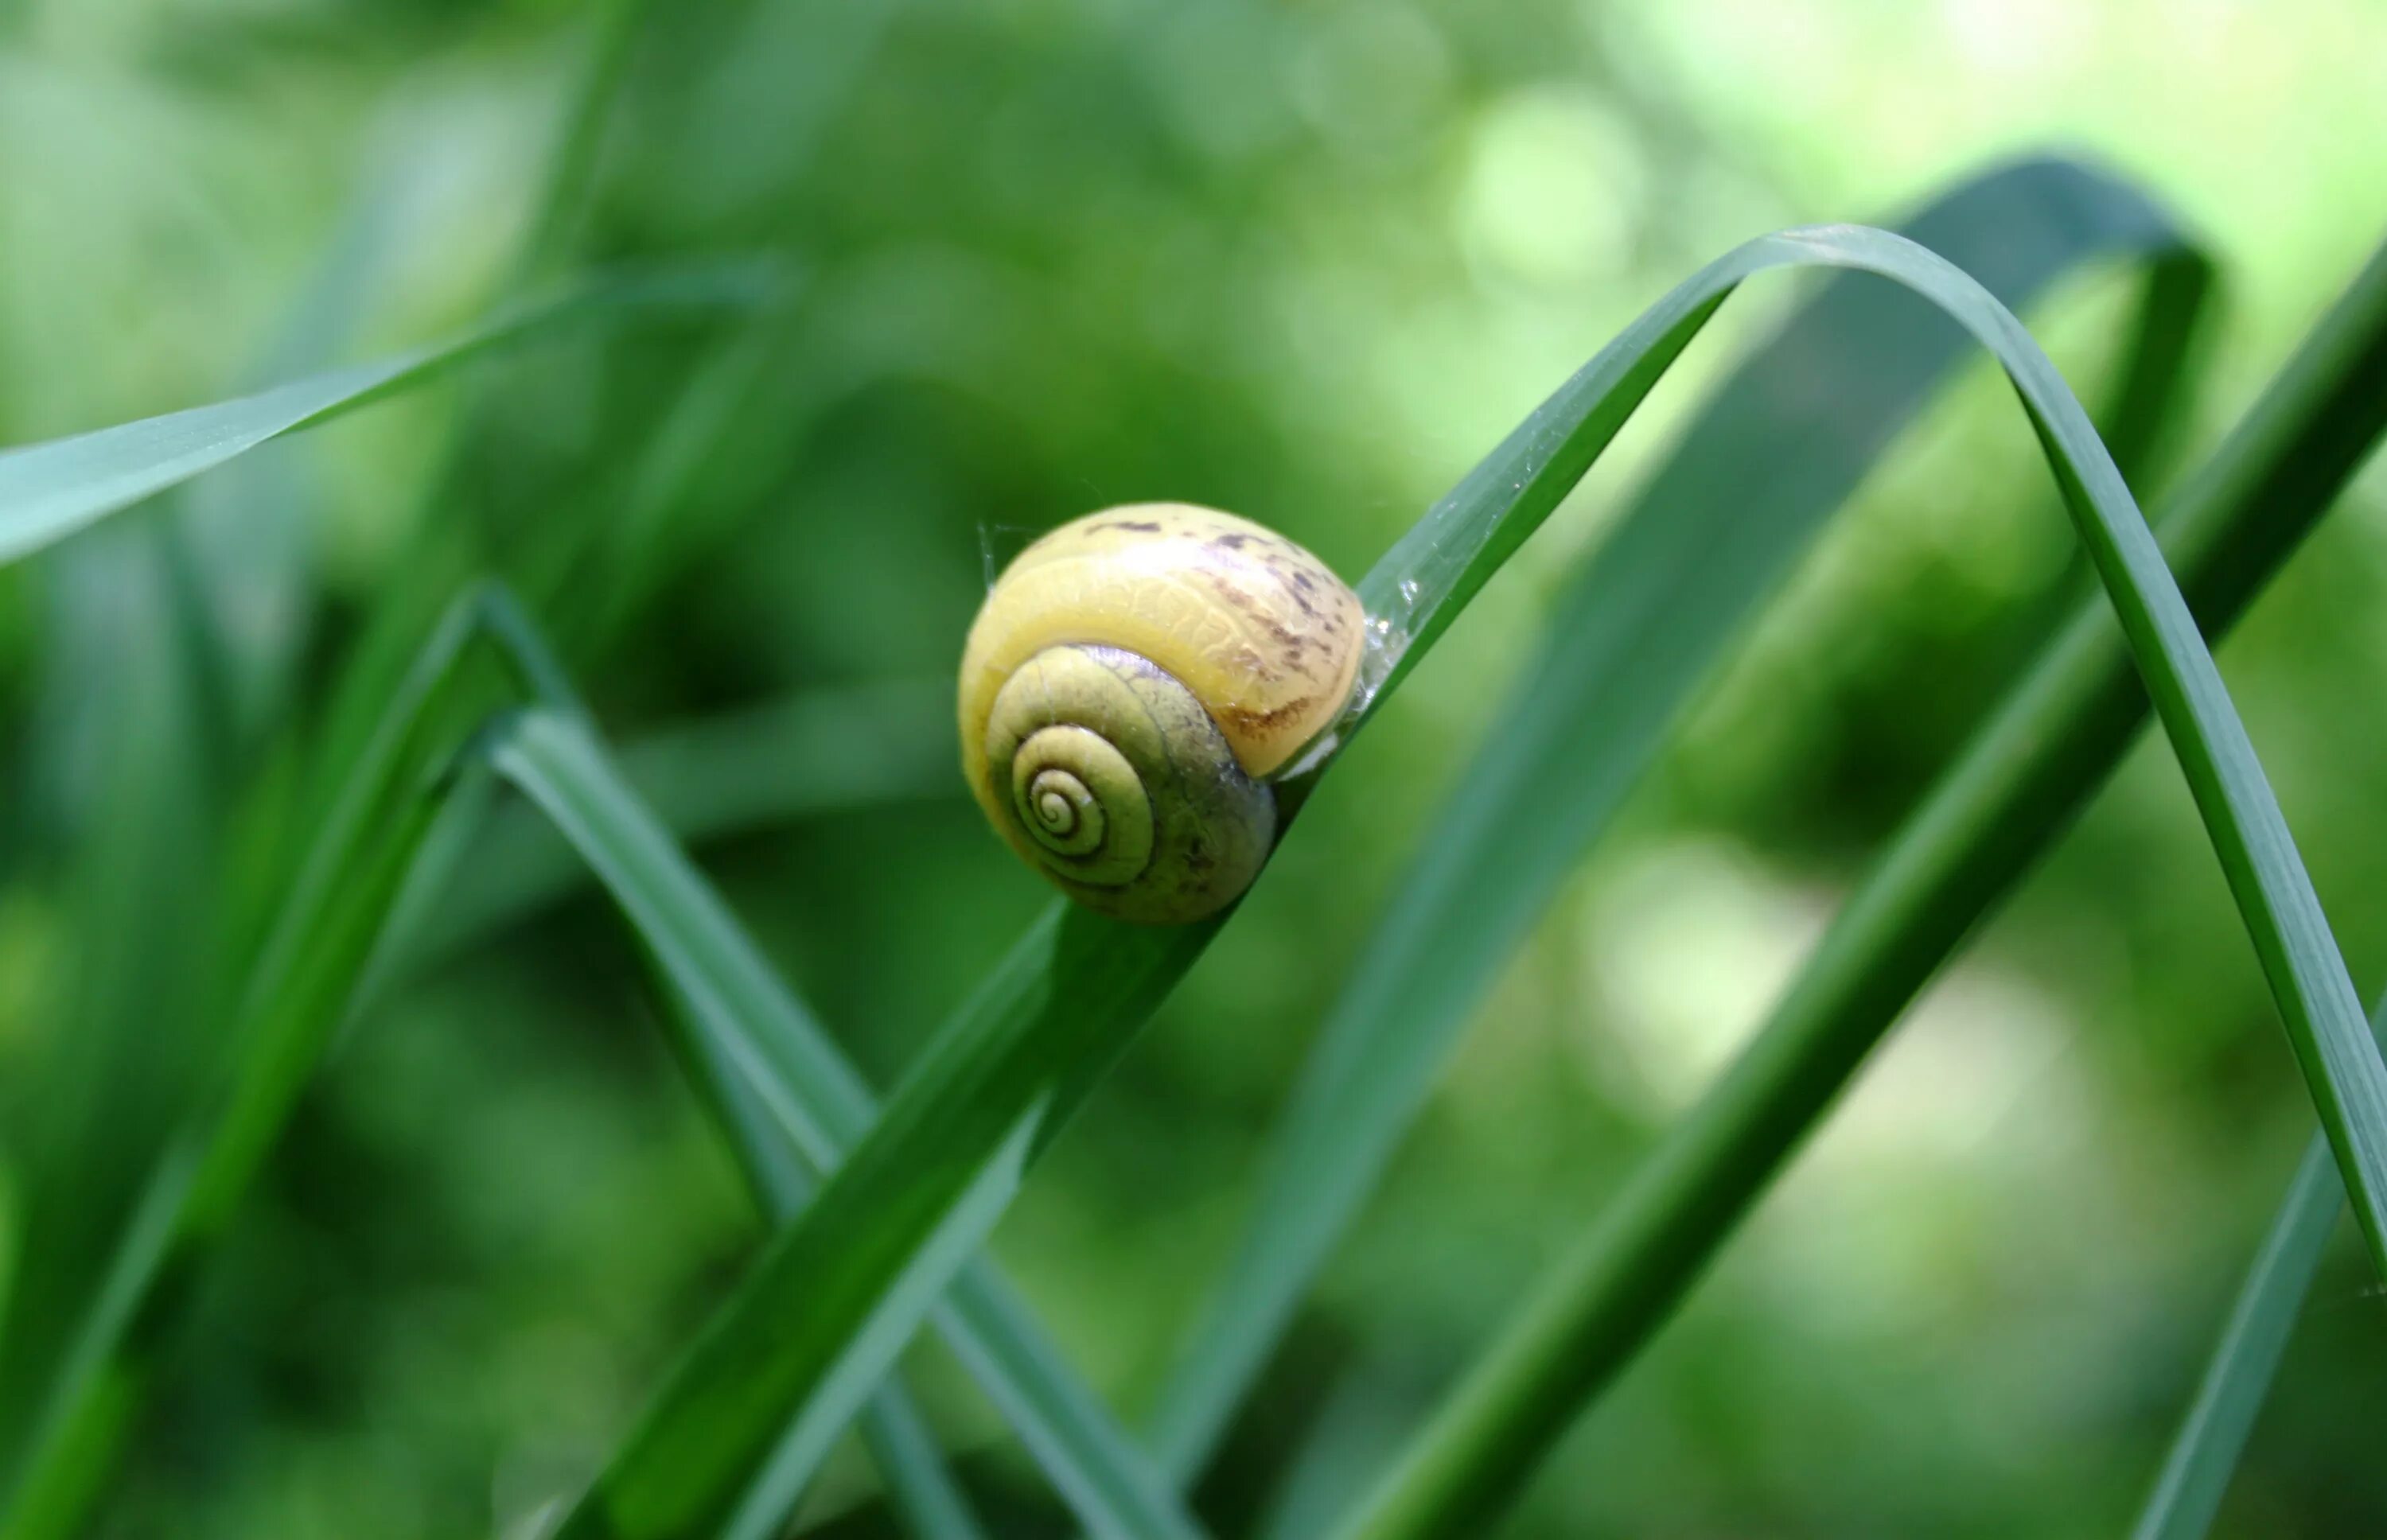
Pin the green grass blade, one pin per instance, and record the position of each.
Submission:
(919, 1488)
(889, 1230)
(822, 751)
(296, 1004)
(303, 985)
(166, 638)
(2204, 1451)
(50, 490)
(2059, 732)
(445, 550)
(832, 1302)
(116, 788)
(784, 1088)
(1779, 448)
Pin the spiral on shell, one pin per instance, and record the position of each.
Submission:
(1131, 683)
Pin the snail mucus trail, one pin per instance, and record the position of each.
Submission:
(1132, 681)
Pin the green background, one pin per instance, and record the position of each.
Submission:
(1306, 262)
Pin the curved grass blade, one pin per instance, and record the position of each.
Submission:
(832, 1302)
(300, 989)
(724, 774)
(786, 1090)
(50, 490)
(1778, 447)
(2048, 746)
(2204, 1451)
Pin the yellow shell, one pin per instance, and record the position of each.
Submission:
(1255, 629)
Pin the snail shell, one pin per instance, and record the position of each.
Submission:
(1132, 680)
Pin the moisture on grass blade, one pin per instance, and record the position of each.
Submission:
(784, 1090)
(48, 491)
(1755, 477)
(2048, 746)
(832, 1302)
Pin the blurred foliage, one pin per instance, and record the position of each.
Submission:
(1306, 261)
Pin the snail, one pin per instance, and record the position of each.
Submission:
(1132, 681)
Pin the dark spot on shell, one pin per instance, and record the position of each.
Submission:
(1232, 542)
(1277, 630)
(1133, 526)
(1255, 722)
(1301, 580)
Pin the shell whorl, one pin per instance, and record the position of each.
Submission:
(1131, 679)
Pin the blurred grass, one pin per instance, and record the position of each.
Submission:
(1064, 256)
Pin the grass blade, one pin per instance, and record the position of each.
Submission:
(818, 752)
(295, 1009)
(2059, 732)
(2204, 1451)
(302, 987)
(128, 810)
(919, 1489)
(785, 1089)
(50, 490)
(1779, 446)
(833, 1299)
(886, 1232)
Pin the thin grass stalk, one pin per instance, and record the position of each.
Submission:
(2015, 789)
(2213, 1432)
